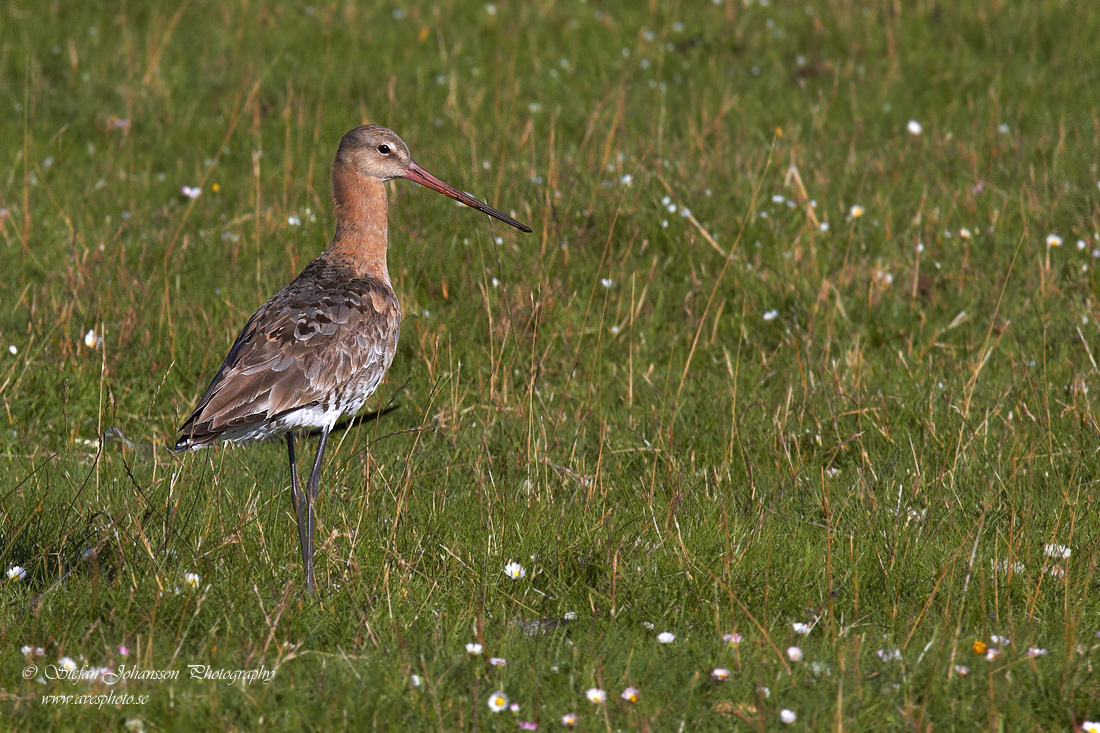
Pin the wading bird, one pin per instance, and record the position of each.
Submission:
(320, 346)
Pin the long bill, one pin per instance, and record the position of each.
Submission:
(416, 174)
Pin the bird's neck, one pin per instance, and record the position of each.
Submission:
(361, 228)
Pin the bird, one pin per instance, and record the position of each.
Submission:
(317, 349)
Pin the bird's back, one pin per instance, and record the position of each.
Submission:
(313, 352)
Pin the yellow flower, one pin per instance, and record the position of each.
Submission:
(216, 188)
(980, 647)
(856, 211)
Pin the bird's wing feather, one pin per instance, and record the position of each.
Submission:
(301, 348)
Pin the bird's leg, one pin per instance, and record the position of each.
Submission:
(295, 490)
(315, 476)
(312, 489)
(303, 509)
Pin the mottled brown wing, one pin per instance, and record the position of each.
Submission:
(307, 346)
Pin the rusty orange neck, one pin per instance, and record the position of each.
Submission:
(361, 228)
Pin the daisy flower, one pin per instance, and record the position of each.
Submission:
(801, 629)
(794, 654)
(67, 664)
(630, 694)
(666, 637)
(515, 571)
(17, 572)
(962, 670)
(732, 639)
(191, 192)
(1036, 652)
(720, 673)
(595, 694)
(498, 701)
(787, 716)
(914, 127)
(1053, 240)
(473, 648)
(192, 579)
(497, 661)
(856, 211)
(569, 719)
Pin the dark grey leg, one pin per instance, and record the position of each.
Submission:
(303, 509)
(310, 495)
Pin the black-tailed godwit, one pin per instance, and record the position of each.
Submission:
(320, 346)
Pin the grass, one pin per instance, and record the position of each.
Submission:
(725, 422)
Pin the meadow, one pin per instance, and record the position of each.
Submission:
(797, 367)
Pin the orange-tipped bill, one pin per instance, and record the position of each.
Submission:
(418, 175)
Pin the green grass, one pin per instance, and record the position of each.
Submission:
(915, 419)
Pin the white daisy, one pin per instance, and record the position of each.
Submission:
(498, 701)
(596, 695)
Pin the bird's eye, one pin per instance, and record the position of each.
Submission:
(384, 149)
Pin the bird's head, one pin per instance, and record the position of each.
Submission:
(375, 152)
